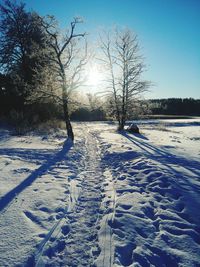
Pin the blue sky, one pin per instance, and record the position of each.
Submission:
(168, 30)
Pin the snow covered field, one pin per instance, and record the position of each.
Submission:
(109, 200)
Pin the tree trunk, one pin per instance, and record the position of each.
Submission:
(69, 129)
(70, 132)
(121, 125)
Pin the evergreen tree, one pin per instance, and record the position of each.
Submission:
(23, 50)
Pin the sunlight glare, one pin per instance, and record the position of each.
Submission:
(94, 77)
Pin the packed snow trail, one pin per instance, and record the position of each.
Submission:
(77, 243)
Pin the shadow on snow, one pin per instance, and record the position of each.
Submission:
(50, 161)
(164, 157)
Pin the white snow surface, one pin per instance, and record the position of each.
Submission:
(109, 199)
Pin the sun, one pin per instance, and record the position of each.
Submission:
(94, 77)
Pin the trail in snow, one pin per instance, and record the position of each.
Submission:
(77, 242)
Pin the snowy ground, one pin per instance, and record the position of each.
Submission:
(108, 200)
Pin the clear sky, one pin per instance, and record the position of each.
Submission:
(168, 30)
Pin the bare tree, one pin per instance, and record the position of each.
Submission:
(66, 64)
(124, 67)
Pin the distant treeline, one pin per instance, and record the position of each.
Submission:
(175, 106)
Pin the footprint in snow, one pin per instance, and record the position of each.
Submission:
(33, 218)
(124, 253)
(65, 229)
(21, 170)
(44, 209)
(125, 206)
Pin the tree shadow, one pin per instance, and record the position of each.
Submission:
(30, 155)
(138, 135)
(50, 161)
(164, 157)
